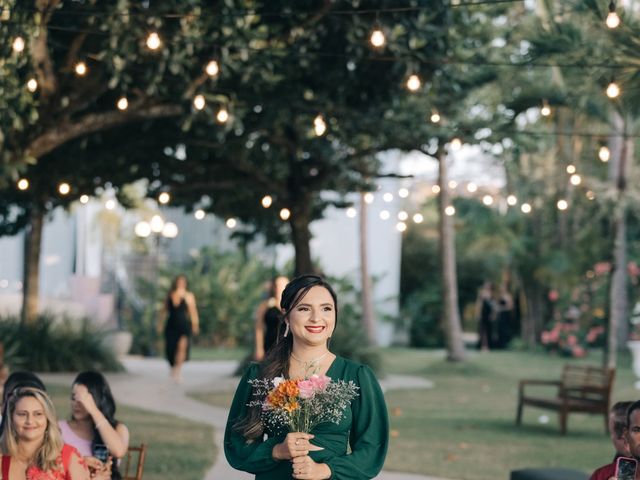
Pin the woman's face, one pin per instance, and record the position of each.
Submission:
(181, 283)
(78, 411)
(29, 419)
(313, 319)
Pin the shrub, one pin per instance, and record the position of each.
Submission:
(55, 345)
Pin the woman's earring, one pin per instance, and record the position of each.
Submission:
(286, 331)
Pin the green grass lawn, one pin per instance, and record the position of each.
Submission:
(218, 353)
(464, 428)
(177, 448)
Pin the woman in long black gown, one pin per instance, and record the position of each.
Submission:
(268, 316)
(182, 322)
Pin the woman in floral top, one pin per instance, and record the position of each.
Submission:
(31, 443)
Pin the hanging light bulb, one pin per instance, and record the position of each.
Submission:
(266, 201)
(84, 199)
(153, 41)
(64, 188)
(472, 187)
(351, 212)
(388, 197)
(384, 215)
(401, 227)
(285, 214)
(453, 184)
(604, 154)
(571, 169)
(199, 214)
(545, 111)
(199, 102)
(223, 115)
(142, 229)
(456, 144)
(32, 85)
(418, 218)
(156, 223)
(377, 38)
(413, 83)
(18, 44)
(80, 69)
(575, 179)
(231, 223)
(435, 117)
(487, 200)
(110, 204)
(562, 205)
(212, 68)
(164, 198)
(123, 103)
(526, 208)
(319, 125)
(512, 200)
(403, 192)
(369, 197)
(402, 215)
(23, 184)
(613, 90)
(450, 211)
(435, 189)
(613, 20)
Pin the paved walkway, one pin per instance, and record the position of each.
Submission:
(146, 385)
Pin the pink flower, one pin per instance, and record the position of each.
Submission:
(545, 337)
(313, 384)
(578, 351)
(553, 295)
(572, 340)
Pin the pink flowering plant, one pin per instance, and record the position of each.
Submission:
(300, 405)
(570, 340)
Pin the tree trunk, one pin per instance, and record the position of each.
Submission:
(368, 318)
(31, 280)
(450, 310)
(618, 330)
(301, 237)
(532, 303)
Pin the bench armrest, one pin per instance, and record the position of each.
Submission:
(551, 383)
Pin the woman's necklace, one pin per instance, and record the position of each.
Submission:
(311, 366)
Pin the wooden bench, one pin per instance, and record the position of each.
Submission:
(581, 389)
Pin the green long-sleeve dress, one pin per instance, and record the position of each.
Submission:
(364, 428)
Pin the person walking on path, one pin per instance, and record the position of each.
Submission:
(182, 322)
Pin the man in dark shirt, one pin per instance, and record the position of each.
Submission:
(618, 431)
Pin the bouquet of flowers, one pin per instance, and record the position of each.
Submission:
(300, 405)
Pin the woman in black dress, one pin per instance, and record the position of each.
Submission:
(182, 322)
(268, 318)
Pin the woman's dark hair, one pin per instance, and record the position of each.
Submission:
(276, 360)
(18, 380)
(101, 392)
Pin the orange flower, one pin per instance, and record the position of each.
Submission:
(291, 406)
(284, 395)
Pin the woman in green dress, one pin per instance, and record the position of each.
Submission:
(353, 449)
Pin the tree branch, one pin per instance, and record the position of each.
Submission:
(95, 122)
(40, 58)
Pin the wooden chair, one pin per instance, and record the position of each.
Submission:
(581, 389)
(133, 463)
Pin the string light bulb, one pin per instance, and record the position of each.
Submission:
(435, 189)
(562, 205)
(377, 38)
(80, 69)
(123, 103)
(456, 144)
(472, 187)
(604, 154)
(388, 197)
(512, 200)
(575, 179)
(413, 83)
(403, 192)
(266, 201)
(545, 111)
(64, 188)
(153, 41)
(450, 211)
(23, 184)
(613, 90)
(18, 44)
(369, 197)
(487, 200)
(401, 227)
(223, 115)
(435, 117)
(526, 208)
(199, 102)
(84, 199)
(418, 218)
(110, 204)
(571, 169)
(384, 215)
(319, 125)
(285, 214)
(199, 214)
(402, 215)
(212, 68)
(231, 223)
(164, 198)
(351, 212)
(613, 20)
(32, 85)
